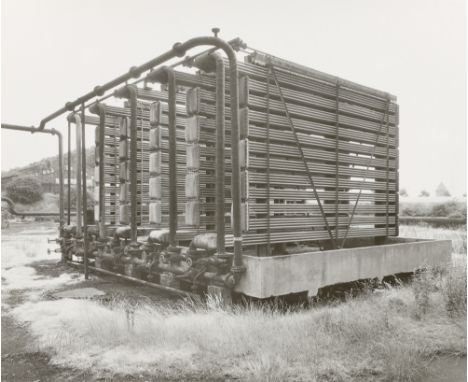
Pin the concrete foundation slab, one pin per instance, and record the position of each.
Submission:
(310, 271)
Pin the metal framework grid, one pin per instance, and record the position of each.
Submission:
(319, 160)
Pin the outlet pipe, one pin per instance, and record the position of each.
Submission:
(60, 165)
(209, 63)
(130, 92)
(167, 75)
(75, 118)
(100, 109)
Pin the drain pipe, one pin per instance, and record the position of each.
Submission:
(130, 92)
(167, 75)
(100, 109)
(60, 165)
(75, 118)
(209, 63)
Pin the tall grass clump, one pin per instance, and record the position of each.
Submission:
(453, 290)
(367, 338)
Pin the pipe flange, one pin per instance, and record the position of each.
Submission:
(238, 269)
(178, 49)
(134, 72)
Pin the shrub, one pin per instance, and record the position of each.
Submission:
(24, 190)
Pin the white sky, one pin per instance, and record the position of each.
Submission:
(56, 50)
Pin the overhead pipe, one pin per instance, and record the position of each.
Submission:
(167, 75)
(60, 160)
(76, 119)
(100, 109)
(209, 63)
(178, 50)
(130, 92)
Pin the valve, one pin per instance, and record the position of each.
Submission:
(215, 31)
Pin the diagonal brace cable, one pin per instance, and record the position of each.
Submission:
(309, 175)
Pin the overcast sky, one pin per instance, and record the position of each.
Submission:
(55, 50)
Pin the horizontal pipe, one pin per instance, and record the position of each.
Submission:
(138, 281)
(178, 50)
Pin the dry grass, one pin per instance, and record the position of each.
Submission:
(375, 337)
(392, 335)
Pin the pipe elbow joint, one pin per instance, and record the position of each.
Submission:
(128, 91)
(98, 108)
(209, 62)
(72, 117)
(162, 75)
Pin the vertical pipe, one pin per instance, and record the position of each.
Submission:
(237, 266)
(220, 117)
(69, 173)
(85, 194)
(78, 175)
(100, 109)
(172, 158)
(60, 149)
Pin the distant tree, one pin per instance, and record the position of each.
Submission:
(424, 194)
(24, 189)
(403, 192)
(441, 190)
